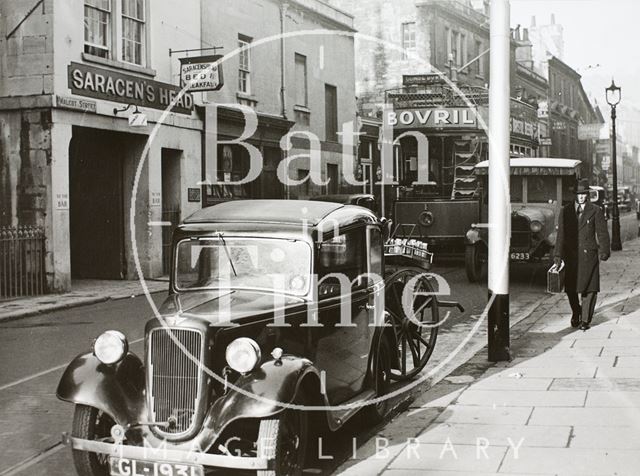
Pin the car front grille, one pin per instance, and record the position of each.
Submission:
(175, 378)
(520, 232)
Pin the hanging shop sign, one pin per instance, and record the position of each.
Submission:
(438, 118)
(422, 79)
(202, 73)
(119, 87)
(523, 128)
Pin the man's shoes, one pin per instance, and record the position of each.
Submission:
(584, 326)
(575, 322)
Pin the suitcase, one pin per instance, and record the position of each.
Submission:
(555, 279)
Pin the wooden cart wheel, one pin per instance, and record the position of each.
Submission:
(415, 336)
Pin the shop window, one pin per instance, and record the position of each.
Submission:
(302, 97)
(244, 64)
(133, 24)
(332, 176)
(303, 188)
(97, 27)
(408, 39)
(331, 113)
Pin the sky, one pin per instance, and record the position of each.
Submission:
(596, 32)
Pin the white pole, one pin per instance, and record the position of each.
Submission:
(499, 200)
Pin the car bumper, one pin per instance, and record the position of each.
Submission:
(166, 455)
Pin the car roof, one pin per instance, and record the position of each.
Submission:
(285, 212)
(342, 197)
(561, 166)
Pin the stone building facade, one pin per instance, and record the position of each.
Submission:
(108, 186)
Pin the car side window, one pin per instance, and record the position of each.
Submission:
(342, 255)
(541, 189)
(375, 254)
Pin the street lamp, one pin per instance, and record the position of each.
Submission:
(613, 98)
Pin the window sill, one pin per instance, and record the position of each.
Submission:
(303, 109)
(247, 98)
(118, 64)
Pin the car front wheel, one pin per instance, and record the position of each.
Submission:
(285, 439)
(89, 423)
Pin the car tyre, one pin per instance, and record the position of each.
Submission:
(474, 260)
(89, 423)
(381, 380)
(285, 440)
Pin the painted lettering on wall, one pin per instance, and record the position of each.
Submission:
(102, 83)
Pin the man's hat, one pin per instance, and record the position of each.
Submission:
(583, 186)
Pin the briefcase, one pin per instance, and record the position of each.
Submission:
(555, 278)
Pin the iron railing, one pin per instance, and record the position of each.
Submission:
(22, 271)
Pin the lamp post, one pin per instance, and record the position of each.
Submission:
(613, 93)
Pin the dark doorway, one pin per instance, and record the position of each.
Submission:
(96, 204)
(171, 181)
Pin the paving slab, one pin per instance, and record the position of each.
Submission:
(614, 399)
(628, 384)
(472, 433)
(592, 416)
(617, 372)
(559, 371)
(583, 462)
(488, 415)
(618, 437)
(450, 457)
(523, 398)
(497, 383)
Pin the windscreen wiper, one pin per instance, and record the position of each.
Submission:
(226, 250)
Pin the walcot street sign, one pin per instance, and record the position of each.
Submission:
(114, 86)
(202, 73)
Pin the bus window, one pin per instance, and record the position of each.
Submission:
(541, 189)
(516, 189)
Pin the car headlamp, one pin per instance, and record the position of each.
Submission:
(536, 226)
(110, 347)
(243, 355)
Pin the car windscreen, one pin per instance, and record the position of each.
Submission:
(264, 264)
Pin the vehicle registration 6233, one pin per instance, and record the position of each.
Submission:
(520, 256)
(132, 467)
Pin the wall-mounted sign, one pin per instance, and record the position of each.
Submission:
(156, 199)
(523, 128)
(589, 131)
(422, 79)
(202, 73)
(543, 109)
(559, 126)
(545, 140)
(603, 147)
(110, 85)
(439, 118)
(76, 104)
(193, 194)
(62, 201)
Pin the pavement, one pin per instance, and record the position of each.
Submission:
(567, 403)
(84, 291)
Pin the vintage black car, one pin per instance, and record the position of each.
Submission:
(365, 200)
(252, 332)
(539, 187)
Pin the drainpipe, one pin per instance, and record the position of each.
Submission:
(283, 102)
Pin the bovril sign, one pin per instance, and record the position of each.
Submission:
(110, 85)
(440, 118)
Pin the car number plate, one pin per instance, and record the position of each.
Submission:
(132, 467)
(520, 256)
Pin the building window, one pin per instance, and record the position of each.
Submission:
(455, 48)
(408, 39)
(463, 50)
(133, 19)
(331, 113)
(244, 64)
(479, 68)
(97, 27)
(302, 97)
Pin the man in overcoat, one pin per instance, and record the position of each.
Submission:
(582, 241)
